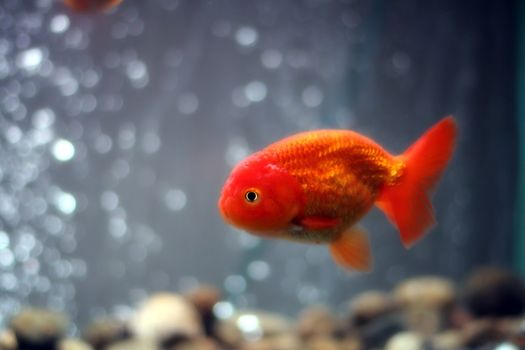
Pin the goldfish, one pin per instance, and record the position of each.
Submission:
(92, 5)
(315, 186)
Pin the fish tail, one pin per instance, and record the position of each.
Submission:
(406, 203)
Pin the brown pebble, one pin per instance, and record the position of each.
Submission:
(135, 344)
(73, 344)
(494, 293)
(323, 343)
(204, 299)
(483, 332)
(229, 335)
(38, 328)
(8, 340)
(405, 341)
(255, 323)
(317, 321)
(166, 318)
(367, 306)
(279, 342)
(448, 340)
(352, 343)
(105, 332)
(426, 302)
(198, 344)
(427, 291)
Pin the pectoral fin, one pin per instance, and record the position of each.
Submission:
(352, 250)
(318, 222)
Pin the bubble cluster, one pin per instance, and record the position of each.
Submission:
(38, 232)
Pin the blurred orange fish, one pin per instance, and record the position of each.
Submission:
(92, 5)
(315, 186)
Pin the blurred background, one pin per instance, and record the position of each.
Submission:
(118, 129)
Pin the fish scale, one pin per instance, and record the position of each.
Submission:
(341, 170)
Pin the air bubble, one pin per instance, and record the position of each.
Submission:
(235, 284)
(109, 200)
(7, 258)
(13, 134)
(103, 143)
(187, 103)
(308, 294)
(259, 270)
(43, 118)
(137, 72)
(126, 137)
(175, 199)
(223, 310)
(312, 96)
(63, 150)
(246, 36)
(151, 142)
(66, 203)
(59, 23)
(237, 150)
(255, 91)
(4, 240)
(117, 227)
(30, 60)
(271, 58)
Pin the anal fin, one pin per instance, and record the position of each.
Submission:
(352, 250)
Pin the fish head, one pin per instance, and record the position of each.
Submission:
(260, 197)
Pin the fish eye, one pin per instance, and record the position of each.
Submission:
(251, 196)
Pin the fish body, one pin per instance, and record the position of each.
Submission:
(92, 5)
(315, 186)
(340, 173)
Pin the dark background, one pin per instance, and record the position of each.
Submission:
(160, 99)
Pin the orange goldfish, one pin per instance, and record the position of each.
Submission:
(315, 186)
(92, 5)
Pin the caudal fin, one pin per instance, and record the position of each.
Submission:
(407, 203)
